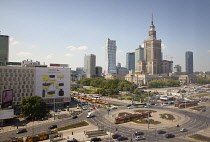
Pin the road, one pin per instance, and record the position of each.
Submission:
(197, 122)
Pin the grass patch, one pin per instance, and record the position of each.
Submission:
(123, 114)
(200, 137)
(201, 95)
(198, 108)
(79, 124)
(167, 116)
(145, 121)
(141, 111)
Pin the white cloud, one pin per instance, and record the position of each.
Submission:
(68, 54)
(13, 41)
(24, 54)
(49, 56)
(73, 48)
(163, 46)
(119, 51)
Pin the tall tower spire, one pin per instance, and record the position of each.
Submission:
(152, 18)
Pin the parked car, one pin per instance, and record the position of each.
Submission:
(21, 131)
(161, 132)
(74, 117)
(122, 138)
(138, 138)
(128, 105)
(73, 140)
(95, 139)
(169, 135)
(53, 127)
(138, 133)
(183, 130)
(115, 136)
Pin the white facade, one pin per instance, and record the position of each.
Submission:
(111, 57)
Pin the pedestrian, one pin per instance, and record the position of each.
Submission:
(84, 131)
(72, 133)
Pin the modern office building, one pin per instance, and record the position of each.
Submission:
(4, 48)
(90, 65)
(153, 63)
(139, 56)
(111, 49)
(189, 62)
(130, 60)
(121, 70)
(98, 71)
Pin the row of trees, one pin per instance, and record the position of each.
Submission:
(109, 86)
(163, 83)
(203, 80)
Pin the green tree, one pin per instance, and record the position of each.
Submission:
(33, 107)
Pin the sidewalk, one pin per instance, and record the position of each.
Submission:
(35, 123)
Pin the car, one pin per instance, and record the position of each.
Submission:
(122, 138)
(95, 139)
(74, 117)
(21, 131)
(128, 105)
(138, 138)
(73, 140)
(147, 106)
(203, 110)
(138, 133)
(152, 104)
(169, 135)
(115, 136)
(183, 130)
(53, 127)
(161, 132)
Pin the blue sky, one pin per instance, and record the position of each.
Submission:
(63, 31)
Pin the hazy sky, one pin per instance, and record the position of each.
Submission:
(63, 31)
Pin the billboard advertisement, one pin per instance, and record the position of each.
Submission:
(52, 82)
(7, 97)
(6, 114)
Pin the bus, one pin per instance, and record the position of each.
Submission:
(132, 117)
(187, 104)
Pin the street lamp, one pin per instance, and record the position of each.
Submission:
(148, 109)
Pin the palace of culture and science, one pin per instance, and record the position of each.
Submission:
(153, 63)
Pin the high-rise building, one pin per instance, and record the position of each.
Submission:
(111, 57)
(130, 60)
(177, 69)
(153, 63)
(90, 65)
(98, 71)
(139, 56)
(4, 48)
(189, 62)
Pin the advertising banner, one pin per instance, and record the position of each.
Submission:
(7, 97)
(52, 82)
(6, 114)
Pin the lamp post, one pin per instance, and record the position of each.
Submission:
(148, 109)
(109, 113)
(54, 108)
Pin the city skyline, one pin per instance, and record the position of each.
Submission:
(63, 32)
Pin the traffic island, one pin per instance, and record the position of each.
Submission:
(199, 137)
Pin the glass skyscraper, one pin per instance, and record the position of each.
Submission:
(4, 48)
(111, 49)
(90, 65)
(189, 62)
(139, 56)
(130, 61)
